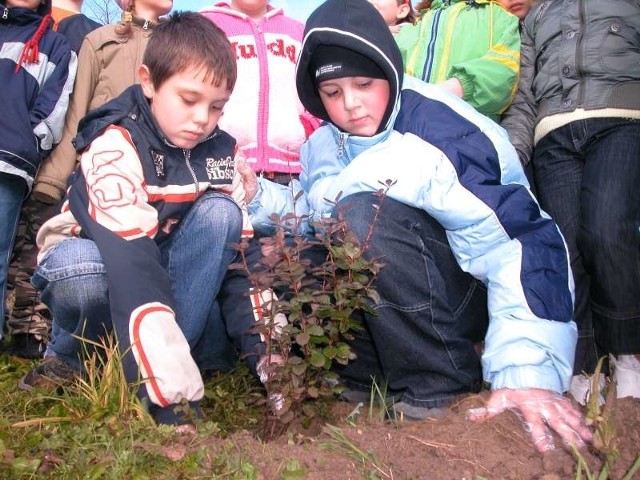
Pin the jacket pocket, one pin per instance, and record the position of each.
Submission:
(620, 48)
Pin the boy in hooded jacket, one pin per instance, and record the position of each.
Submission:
(37, 67)
(457, 218)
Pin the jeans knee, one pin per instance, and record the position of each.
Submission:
(80, 292)
(358, 211)
(216, 212)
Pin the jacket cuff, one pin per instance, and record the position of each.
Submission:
(526, 377)
(47, 192)
(468, 88)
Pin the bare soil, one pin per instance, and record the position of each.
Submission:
(449, 448)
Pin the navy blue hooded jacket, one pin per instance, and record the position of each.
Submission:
(34, 96)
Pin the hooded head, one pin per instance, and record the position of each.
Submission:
(346, 38)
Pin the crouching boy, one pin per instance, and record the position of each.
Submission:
(143, 240)
(458, 213)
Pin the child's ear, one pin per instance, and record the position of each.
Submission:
(403, 11)
(144, 77)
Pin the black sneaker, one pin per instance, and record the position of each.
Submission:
(51, 374)
(26, 345)
(404, 412)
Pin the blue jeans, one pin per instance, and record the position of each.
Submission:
(74, 284)
(588, 179)
(421, 340)
(13, 190)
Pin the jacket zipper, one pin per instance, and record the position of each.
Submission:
(263, 107)
(187, 161)
(341, 144)
(5, 13)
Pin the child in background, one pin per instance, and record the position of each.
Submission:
(458, 205)
(28, 319)
(576, 118)
(107, 65)
(71, 22)
(144, 238)
(264, 113)
(37, 67)
(519, 8)
(396, 13)
(470, 48)
(270, 125)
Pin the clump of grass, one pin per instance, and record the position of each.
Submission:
(370, 465)
(97, 428)
(605, 439)
(101, 392)
(233, 400)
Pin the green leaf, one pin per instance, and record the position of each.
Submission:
(317, 359)
(330, 352)
(299, 369)
(315, 330)
(294, 360)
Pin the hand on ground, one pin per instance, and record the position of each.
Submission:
(542, 412)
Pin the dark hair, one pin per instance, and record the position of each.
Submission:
(189, 40)
(411, 17)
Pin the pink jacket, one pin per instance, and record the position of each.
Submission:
(264, 113)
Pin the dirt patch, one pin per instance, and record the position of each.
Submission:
(449, 448)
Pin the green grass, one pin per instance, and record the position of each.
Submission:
(97, 429)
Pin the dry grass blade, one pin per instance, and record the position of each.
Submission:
(431, 444)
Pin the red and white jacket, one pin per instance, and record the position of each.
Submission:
(129, 193)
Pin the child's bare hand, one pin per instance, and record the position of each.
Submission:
(453, 85)
(541, 411)
(249, 180)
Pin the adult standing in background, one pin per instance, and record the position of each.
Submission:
(577, 118)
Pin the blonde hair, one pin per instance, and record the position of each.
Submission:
(125, 25)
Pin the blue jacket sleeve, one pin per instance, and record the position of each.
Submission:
(50, 107)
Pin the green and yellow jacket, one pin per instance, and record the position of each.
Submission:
(477, 42)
